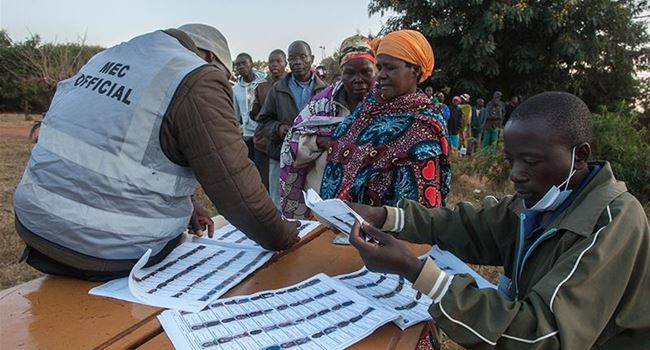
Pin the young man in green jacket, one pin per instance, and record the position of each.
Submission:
(574, 244)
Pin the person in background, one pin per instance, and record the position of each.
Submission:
(510, 107)
(429, 92)
(465, 128)
(454, 124)
(244, 94)
(286, 98)
(478, 122)
(393, 146)
(443, 107)
(574, 244)
(495, 110)
(303, 155)
(112, 176)
(277, 64)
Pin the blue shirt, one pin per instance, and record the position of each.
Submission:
(301, 91)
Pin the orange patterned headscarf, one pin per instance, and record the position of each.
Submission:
(409, 46)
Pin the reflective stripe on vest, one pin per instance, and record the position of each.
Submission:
(98, 182)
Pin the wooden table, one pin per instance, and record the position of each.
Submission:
(319, 255)
(58, 313)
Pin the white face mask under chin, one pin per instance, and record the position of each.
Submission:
(554, 196)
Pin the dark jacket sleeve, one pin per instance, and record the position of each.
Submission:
(257, 101)
(268, 118)
(201, 131)
(483, 236)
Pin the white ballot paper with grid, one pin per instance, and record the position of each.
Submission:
(332, 212)
(318, 313)
(391, 291)
(193, 275)
(229, 235)
(452, 265)
(188, 279)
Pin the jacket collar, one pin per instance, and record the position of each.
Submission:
(283, 84)
(581, 217)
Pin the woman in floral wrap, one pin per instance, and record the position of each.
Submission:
(393, 146)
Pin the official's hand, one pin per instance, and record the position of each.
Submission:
(200, 220)
(384, 253)
(376, 216)
(294, 238)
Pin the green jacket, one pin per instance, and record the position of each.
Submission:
(585, 284)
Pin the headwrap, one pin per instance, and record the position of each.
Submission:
(456, 99)
(409, 46)
(465, 98)
(356, 46)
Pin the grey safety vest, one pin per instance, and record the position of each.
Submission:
(97, 181)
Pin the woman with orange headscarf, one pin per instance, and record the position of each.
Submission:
(393, 146)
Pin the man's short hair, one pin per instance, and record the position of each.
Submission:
(245, 55)
(278, 52)
(301, 43)
(562, 112)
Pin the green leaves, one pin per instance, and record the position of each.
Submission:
(589, 47)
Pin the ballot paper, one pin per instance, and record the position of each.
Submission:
(332, 212)
(390, 291)
(229, 235)
(189, 278)
(318, 313)
(449, 263)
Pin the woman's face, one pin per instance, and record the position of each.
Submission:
(358, 77)
(395, 77)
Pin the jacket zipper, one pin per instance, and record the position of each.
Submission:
(535, 244)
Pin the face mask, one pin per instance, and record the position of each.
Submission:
(554, 196)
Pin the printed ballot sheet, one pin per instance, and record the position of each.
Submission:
(332, 212)
(229, 235)
(193, 275)
(318, 313)
(452, 265)
(390, 291)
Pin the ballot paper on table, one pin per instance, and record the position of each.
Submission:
(189, 278)
(332, 212)
(452, 265)
(229, 235)
(318, 313)
(391, 291)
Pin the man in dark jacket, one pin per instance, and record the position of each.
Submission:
(120, 151)
(277, 64)
(283, 103)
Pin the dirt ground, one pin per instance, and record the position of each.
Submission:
(14, 153)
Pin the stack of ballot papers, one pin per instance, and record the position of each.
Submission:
(321, 312)
(194, 273)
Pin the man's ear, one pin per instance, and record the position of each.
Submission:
(583, 152)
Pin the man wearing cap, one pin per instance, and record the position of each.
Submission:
(120, 152)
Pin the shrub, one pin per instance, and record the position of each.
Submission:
(620, 139)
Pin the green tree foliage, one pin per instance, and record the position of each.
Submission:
(30, 70)
(620, 139)
(332, 69)
(590, 47)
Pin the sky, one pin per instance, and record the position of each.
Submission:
(252, 26)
